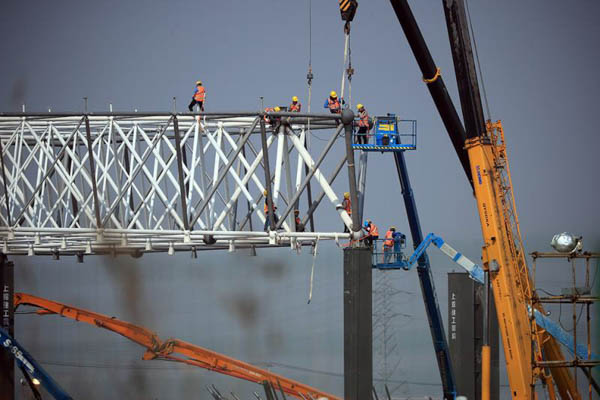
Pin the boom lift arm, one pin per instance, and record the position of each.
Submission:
(473, 269)
(173, 349)
(31, 367)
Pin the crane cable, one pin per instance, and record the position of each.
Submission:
(487, 106)
(347, 70)
(309, 75)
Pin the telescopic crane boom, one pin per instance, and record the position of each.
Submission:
(174, 349)
(482, 146)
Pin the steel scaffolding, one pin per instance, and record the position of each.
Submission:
(582, 296)
(139, 182)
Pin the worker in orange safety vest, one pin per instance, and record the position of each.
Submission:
(295, 106)
(266, 209)
(298, 221)
(372, 233)
(198, 98)
(363, 125)
(273, 121)
(347, 205)
(333, 103)
(388, 245)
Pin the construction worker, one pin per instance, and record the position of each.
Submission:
(295, 106)
(266, 209)
(372, 233)
(299, 224)
(273, 120)
(198, 98)
(347, 205)
(399, 240)
(363, 125)
(333, 103)
(388, 245)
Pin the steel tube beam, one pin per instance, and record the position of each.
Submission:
(8, 219)
(216, 183)
(348, 120)
(312, 170)
(50, 170)
(315, 116)
(267, 169)
(322, 181)
(90, 144)
(138, 169)
(182, 188)
(315, 204)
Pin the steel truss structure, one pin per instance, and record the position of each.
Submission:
(133, 183)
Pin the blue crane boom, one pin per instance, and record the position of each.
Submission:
(474, 270)
(436, 325)
(28, 364)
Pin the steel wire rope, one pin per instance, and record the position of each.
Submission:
(487, 106)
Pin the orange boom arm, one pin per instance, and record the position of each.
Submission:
(173, 349)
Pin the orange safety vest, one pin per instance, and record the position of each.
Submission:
(295, 107)
(334, 105)
(266, 208)
(347, 206)
(390, 241)
(373, 231)
(364, 118)
(268, 110)
(200, 92)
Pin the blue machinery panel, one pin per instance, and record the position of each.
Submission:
(390, 133)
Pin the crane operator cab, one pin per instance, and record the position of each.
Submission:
(390, 133)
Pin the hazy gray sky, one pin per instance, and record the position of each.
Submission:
(539, 60)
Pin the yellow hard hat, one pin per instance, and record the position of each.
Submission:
(392, 228)
(265, 192)
(198, 82)
(333, 94)
(277, 109)
(359, 106)
(346, 195)
(295, 98)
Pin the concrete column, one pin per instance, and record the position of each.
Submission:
(358, 324)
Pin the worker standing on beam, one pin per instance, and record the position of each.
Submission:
(198, 98)
(266, 209)
(333, 103)
(363, 125)
(295, 106)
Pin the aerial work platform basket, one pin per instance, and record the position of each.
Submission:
(390, 257)
(390, 133)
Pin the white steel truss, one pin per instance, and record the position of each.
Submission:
(131, 183)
